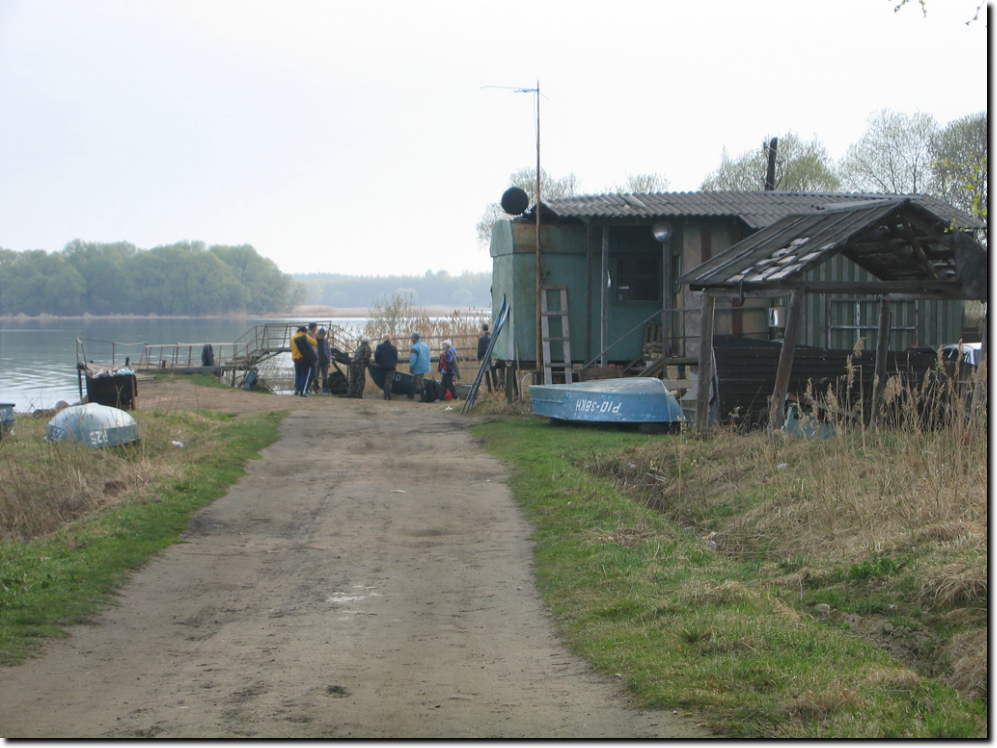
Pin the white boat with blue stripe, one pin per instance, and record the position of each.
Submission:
(629, 400)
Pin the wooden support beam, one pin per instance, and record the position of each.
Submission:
(589, 242)
(980, 382)
(705, 375)
(922, 258)
(882, 350)
(777, 408)
(666, 288)
(604, 311)
(911, 289)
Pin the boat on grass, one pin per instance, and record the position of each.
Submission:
(641, 401)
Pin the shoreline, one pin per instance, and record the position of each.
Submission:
(301, 312)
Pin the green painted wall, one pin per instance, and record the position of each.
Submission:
(563, 263)
(914, 323)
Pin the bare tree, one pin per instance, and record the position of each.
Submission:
(895, 155)
(642, 184)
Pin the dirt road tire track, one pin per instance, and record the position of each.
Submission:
(370, 577)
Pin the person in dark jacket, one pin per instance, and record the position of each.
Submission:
(483, 340)
(386, 357)
(448, 368)
(324, 357)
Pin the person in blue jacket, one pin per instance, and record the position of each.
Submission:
(418, 364)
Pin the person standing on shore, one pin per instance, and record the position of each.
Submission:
(304, 357)
(448, 370)
(386, 357)
(358, 368)
(418, 364)
(324, 357)
(483, 340)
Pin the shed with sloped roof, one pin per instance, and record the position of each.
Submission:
(908, 249)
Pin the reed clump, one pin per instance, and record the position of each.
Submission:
(887, 516)
(399, 316)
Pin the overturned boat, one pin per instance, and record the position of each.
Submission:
(640, 401)
(94, 425)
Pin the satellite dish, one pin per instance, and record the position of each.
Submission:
(515, 201)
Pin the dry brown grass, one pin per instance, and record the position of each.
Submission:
(918, 481)
(45, 485)
(968, 655)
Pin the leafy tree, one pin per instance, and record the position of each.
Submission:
(959, 167)
(269, 289)
(36, 282)
(801, 166)
(104, 269)
(895, 155)
(526, 180)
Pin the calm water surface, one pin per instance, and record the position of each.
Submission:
(38, 356)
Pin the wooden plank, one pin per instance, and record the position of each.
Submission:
(708, 314)
(903, 289)
(604, 308)
(882, 351)
(777, 412)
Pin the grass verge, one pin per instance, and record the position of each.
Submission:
(761, 635)
(126, 504)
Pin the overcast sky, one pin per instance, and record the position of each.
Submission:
(362, 137)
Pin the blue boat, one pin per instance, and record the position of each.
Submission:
(639, 401)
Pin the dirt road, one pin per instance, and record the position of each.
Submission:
(370, 577)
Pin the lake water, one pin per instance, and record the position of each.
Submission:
(38, 356)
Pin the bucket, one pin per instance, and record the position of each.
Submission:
(7, 419)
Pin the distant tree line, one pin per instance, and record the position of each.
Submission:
(186, 278)
(431, 289)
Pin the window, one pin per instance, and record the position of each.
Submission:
(638, 278)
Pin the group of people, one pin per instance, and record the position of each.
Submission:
(312, 355)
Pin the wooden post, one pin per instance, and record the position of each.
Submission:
(777, 409)
(980, 382)
(882, 351)
(705, 362)
(589, 239)
(666, 287)
(604, 339)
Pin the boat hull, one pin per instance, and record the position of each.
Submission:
(636, 400)
(401, 385)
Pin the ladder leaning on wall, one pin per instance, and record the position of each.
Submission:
(564, 368)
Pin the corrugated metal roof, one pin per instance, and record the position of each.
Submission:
(758, 209)
(895, 240)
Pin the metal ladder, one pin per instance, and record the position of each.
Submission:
(563, 368)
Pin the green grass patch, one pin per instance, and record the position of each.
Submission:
(64, 577)
(753, 638)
